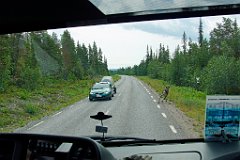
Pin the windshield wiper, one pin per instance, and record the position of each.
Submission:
(122, 140)
(110, 141)
(119, 138)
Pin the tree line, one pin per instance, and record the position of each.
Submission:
(26, 59)
(211, 65)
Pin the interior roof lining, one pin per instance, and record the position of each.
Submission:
(84, 13)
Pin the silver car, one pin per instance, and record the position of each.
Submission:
(110, 80)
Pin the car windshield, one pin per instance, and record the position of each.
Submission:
(163, 71)
(100, 86)
(105, 80)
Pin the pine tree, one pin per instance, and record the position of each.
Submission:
(147, 56)
(166, 55)
(85, 58)
(29, 76)
(15, 45)
(184, 41)
(151, 55)
(160, 53)
(91, 70)
(236, 39)
(100, 62)
(178, 72)
(200, 31)
(225, 32)
(106, 72)
(69, 54)
(5, 60)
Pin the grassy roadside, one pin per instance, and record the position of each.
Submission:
(188, 100)
(116, 77)
(18, 106)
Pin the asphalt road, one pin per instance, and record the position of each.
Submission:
(134, 109)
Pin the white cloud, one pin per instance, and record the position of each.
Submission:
(122, 47)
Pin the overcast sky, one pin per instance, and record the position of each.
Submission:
(125, 44)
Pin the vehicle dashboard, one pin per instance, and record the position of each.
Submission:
(51, 147)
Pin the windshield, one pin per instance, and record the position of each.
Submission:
(106, 80)
(163, 71)
(100, 86)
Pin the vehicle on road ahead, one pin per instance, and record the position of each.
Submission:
(101, 91)
(110, 87)
(110, 80)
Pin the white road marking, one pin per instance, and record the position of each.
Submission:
(107, 112)
(158, 106)
(149, 93)
(119, 95)
(164, 115)
(154, 100)
(173, 129)
(35, 125)
(57, 113)
(151, 96)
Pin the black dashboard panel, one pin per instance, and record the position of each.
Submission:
(49, 147)
(6, 149)
(191, 150)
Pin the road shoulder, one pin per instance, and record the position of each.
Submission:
(186, 124)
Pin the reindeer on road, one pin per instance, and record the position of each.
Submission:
(164, 94)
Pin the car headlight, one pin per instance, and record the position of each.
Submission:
(106, 92)
(91, 93)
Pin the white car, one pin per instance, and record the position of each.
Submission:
(110, 80)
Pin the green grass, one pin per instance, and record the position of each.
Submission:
(116, 77)
(23, 94)
(188, 100)
(31, 109)
(18, 106)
